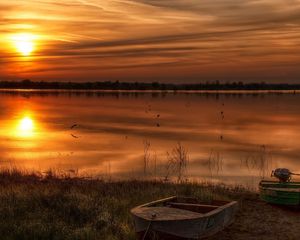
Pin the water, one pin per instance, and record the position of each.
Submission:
(230, 138)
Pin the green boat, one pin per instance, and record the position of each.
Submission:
(282, 193)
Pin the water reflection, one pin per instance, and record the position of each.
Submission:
(235, 138)
(25, 127)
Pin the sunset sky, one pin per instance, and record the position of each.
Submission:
(150, 40)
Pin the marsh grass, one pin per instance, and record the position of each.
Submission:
(39, 206)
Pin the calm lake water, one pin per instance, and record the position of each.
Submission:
(231, 138)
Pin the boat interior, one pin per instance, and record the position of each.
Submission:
(194, 205)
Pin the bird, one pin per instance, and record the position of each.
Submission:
(73, 126)
(74, 136)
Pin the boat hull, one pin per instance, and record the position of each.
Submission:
(196, 228)
(287, 194)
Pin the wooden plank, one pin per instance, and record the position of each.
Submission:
(165, 214)
(192, 205)
(156, 202)
(199, 208)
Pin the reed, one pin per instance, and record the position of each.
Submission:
(177, 163)
(260, 160)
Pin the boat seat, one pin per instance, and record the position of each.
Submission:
(165, 214)
(199, 208)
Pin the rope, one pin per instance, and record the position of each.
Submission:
(148, 228)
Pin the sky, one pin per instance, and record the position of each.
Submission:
(185, 41)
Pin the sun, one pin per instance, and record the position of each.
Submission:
(24, 43)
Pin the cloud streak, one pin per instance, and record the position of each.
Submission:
(232, 38)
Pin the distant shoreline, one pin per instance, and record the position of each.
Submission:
(108, 86)
(36, 90)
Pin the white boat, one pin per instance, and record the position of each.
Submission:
(182, 218)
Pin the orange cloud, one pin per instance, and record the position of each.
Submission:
(172, 40)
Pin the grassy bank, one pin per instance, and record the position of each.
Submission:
(35, 207)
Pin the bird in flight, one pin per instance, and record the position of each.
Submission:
(73, 126)
(74, 136)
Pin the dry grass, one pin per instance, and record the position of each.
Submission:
(36, 206)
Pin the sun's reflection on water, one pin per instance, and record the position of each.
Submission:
(25, 127)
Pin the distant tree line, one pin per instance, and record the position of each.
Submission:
(116, 85)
